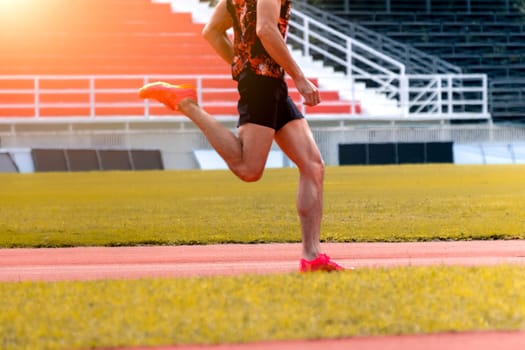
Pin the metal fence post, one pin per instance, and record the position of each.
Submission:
(306, 36)
(404, 85)
(92, 97)
(37, 97)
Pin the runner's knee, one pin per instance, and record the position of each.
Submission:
(314, 168)
(249, 173)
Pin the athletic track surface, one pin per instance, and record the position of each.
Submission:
(137, 262)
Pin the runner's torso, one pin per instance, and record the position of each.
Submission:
(249, 52)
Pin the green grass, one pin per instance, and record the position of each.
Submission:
(73, 315)
(401, 203)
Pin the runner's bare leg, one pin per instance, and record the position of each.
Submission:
(297, 142)
(245, 154)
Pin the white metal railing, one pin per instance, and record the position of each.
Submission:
(436, 96)
(315, 38)
(98, 96)
(85, 96)
(452, 96)
(47, 97)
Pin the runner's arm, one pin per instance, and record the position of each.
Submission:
(215, 32)
(268, 12)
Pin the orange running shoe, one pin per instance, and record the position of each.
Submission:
(168, 94)
(321, 263)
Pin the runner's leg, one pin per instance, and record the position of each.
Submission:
(245, 154)
(297, 142)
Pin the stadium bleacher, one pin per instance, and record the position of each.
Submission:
(60, 55)
(84, 38)
(479, 36)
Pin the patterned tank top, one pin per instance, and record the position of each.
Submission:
(249, 52)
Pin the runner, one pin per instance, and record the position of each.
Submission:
(260, 59)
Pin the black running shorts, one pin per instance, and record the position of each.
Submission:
(265, 101)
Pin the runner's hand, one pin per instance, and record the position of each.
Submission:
(309, 92)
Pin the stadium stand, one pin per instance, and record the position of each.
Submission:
(86, 58)
(416, 61)
(394, 81)
(69, 73)
(479, 36)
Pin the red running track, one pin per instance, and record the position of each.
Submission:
(177, 261)
(138, 262)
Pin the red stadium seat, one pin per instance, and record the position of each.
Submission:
(110, 37)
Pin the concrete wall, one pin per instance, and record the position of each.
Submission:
(178, 140)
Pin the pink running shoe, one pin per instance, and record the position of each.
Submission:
(168, 94)
(321, 263)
